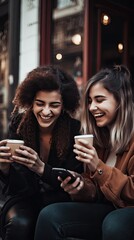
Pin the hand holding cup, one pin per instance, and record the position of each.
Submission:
(87, 137)
(14, 144)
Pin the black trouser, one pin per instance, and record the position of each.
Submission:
(85, 221)
(18, 222)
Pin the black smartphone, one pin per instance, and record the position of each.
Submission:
(63, 173)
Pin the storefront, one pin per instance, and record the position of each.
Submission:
(3, 67)
(9, 58)
(87, 34)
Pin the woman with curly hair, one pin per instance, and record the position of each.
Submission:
(44, 103)
(106, 189)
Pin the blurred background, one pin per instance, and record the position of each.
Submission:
(81, 36)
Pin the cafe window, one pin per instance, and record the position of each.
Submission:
(67, 40)
(3, 75)
(115, 35)
(112, 39)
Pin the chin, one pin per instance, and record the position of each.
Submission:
(100, 124)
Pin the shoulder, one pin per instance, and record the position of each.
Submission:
(128, 153)
(128, 157)
(75, 124)
(13, 124)
(69, 123)
(131, 145)
(16, 119)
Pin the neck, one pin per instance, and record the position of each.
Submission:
(46, 131)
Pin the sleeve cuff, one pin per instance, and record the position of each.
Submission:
(47, 173)
(102, 173)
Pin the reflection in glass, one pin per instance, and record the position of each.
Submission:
(3, 77)
(105, 19)
(120, 47)
(111, 35)
(67, 41)
(76, 39)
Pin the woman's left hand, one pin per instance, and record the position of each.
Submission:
(86, 153)
(29, 158)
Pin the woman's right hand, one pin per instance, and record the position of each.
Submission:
(5, 155)
(75, 187)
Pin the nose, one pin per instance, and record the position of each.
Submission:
(46, 110)
(92, 106)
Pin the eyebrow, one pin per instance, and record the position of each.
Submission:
(41, 101)
(99, 96)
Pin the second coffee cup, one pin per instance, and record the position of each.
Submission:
(88, 137)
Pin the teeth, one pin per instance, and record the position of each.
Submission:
(98, 115)
(45, 117)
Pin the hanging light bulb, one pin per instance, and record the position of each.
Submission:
(120, 47)
(105, 19)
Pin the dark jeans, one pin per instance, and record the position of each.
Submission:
(84, 221)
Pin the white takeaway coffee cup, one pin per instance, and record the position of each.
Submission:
(88, 137)
(14, 144)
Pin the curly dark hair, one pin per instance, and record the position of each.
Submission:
(47, 78)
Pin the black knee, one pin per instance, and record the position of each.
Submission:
(19, 224)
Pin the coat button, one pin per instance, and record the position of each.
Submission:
(100, 171)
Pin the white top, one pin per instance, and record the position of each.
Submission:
(111, 161)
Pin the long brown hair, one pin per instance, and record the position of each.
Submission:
(117, 80)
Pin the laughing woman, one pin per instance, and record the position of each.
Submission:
(106, 189)
(44, 103)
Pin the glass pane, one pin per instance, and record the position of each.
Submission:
(112, 39)
(131, 51)
(67, 40)
(3, 76)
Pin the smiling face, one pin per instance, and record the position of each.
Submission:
(47, 107)
(102, 105)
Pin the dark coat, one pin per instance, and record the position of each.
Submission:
(23, 183)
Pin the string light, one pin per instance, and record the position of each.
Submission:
(58, 56)
(76, 39)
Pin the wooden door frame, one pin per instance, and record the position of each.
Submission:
(45, 31)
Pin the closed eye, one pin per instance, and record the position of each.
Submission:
(39, 103)
(55, 104)
(51, 104)
(98, 99)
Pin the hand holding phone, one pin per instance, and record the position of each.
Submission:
(63, 173)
